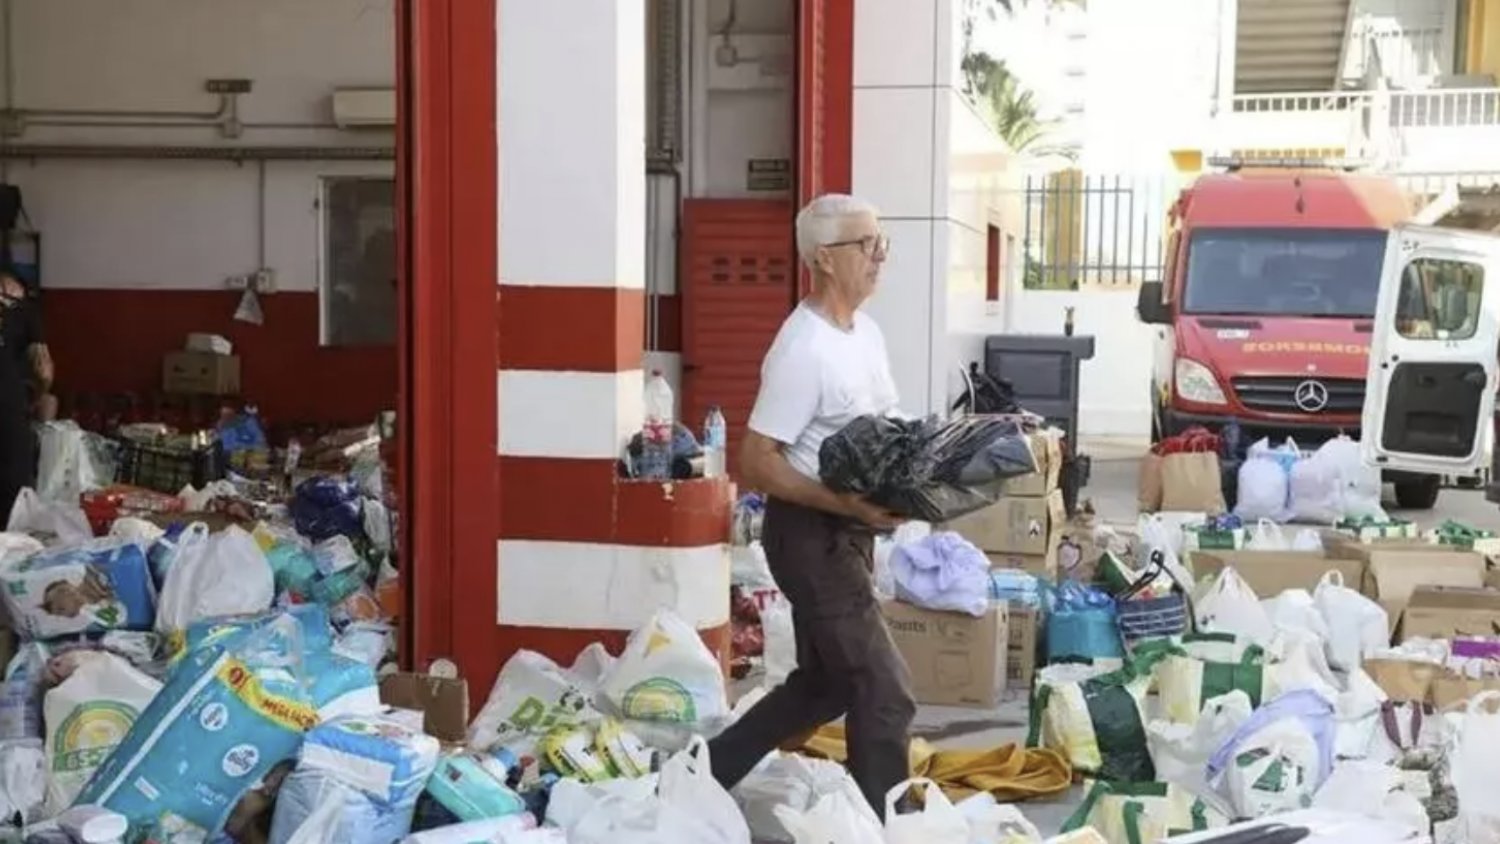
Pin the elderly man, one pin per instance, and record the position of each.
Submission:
(827, 366)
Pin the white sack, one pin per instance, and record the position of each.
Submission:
(214, 576)
(1357, 626)
(50, 522)
(87, 715)
(1229, 605)
(667, 674)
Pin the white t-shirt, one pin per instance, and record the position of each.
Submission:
(816, 379)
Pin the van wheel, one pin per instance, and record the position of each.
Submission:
(1419, 494)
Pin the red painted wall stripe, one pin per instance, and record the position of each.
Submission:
(571, 329)
(574, 500)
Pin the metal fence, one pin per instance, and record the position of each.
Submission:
(1082, 230)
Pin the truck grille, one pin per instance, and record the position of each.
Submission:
(1279, 395)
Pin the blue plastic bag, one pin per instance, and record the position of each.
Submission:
(221, 723)
(1082, 625)
(101, 585)
(326, 507)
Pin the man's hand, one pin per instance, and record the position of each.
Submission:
(860, 508)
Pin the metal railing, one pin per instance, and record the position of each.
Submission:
(1083, 230)
(1436, 107)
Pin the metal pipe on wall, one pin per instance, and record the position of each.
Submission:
(667, 135)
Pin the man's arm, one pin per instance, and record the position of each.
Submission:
(765, 467)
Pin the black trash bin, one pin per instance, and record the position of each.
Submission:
(1043, 370)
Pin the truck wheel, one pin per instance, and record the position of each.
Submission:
(1418, 494)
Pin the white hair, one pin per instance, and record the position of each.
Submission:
(820, 222)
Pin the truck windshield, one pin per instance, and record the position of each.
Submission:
(1284, 272)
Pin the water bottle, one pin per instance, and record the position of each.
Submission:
(715, 443)
(656, 433)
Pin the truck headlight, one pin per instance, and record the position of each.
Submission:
(1196, 383)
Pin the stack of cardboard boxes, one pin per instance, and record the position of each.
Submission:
(205, 367)
(958, 660)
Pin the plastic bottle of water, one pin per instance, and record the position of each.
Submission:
(656, 433)
(715, 443)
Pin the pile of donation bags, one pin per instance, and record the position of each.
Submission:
(1264, 705)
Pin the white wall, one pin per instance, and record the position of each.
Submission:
(940, 175)
(173, 224)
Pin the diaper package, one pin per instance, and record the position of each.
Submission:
(225, 718)
(341, 686)
(375, 767)
(103, 584)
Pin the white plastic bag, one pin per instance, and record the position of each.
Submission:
(1360, 484)
(213, 576)
(572, 799)
(1229, 605)
(50, 522)
(666, 673)
(780, 654)
(842, 815)
(1262, 485)
(1357, 716)
(1272, 771)
(1316, 490)
(1295, 609)
(1267, 536)
(87, 715)
(1374, 791)
(23, 779)
(995, 823)
(938, 820)
(1307, 539)
(1357, 626)
(531, 696)
(1475, 765)
(690, 808)
(65, 466)
(1163, 532)
(1180, 752)
(791, 782)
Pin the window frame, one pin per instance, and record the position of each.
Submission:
(326, 183)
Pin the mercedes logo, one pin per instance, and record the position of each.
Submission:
(1311, 396)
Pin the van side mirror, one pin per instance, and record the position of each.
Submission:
(1149, 307)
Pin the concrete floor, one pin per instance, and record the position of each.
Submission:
(1112, 489)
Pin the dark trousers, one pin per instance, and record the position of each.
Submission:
(846, 661)
(17, 456)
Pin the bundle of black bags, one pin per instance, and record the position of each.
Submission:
(929, 469)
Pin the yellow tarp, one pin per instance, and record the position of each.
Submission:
(1010, 772)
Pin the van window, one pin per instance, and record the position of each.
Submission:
(1284, 272)
(1439, 299)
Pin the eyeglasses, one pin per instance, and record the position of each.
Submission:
(872, 245)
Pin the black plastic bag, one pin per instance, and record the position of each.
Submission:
(926, 469)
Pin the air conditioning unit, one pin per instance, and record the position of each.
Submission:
(364, 108)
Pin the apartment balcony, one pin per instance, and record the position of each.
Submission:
(1439, 129)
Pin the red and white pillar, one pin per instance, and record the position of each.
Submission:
(582, 556)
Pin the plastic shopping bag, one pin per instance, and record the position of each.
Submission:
(666, 673)
(23, 780)
(1262, 486)
(689, 807)
(213, 576)
(991, 822)
(21, 693)
(50, 522)
(1187, 684)
(1180, 752)
(1096, 722)
(1357, 626)
(1140, 812)
(1082, 625)
(1279, 758)
(1316, 490)
(937, 820)
(1360, 485)
(789, 782)
(1267, 536)
(943, 571)
(87, 715)
(70, 462)
(1475, 764)
(1229, 605)
(531, 696)
(780, 656)
(840, 815)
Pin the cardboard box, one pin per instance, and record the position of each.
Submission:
(1395, 567)
(1048, 453)
(200, 374)
(1021, 653)
(954, 659)
(1041, 565)
(1442, 612)
(1270, 573)
(443, 702)
(1016, 525)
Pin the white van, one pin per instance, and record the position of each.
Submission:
(1430, 397)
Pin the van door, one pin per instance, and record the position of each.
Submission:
(1431, 387)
